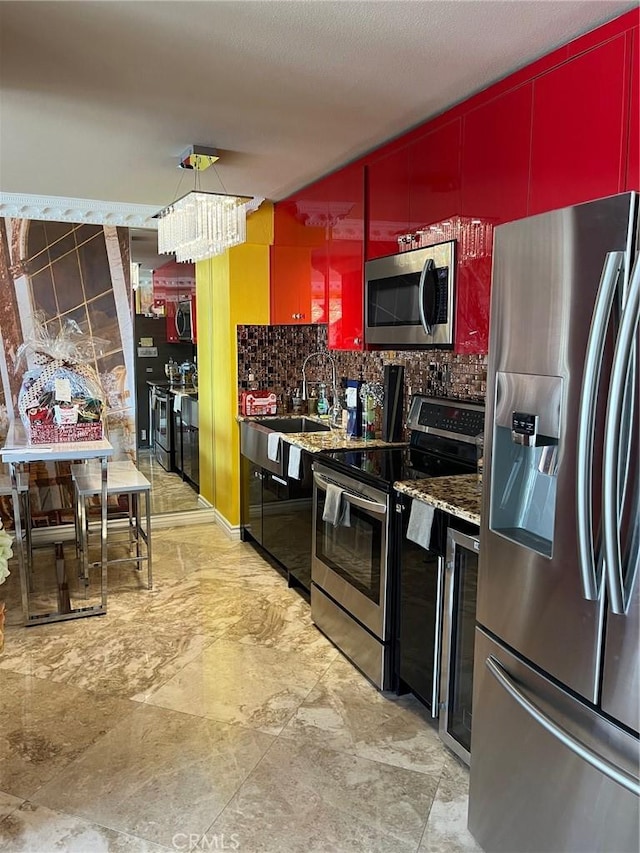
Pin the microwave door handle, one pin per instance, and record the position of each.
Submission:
(428, 271)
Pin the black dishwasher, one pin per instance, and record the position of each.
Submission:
(421, 596)
(287, 504)
(420, 591)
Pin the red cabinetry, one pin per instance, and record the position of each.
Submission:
(345, 257)
(496, 144)
(298, 259)
(496, 141)
(633, 165)
(578, 138)
(388, 191)
(173, 283)
(434, 176)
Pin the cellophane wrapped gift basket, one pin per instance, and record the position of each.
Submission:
(61, 398)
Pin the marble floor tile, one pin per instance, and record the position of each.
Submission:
(250, 731)
(304, 798)
(446, 830)
(156, 774)
(8, 804)
(101, 655)
(34, 829)
(345, 712)
(242, 683)
(282, 619)
(193, 606)
(44, 726)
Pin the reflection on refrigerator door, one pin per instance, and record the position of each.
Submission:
(556, 751)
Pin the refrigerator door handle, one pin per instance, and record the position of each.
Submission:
(620, 386)
(614, 263)
(437, 642)
(603, 765)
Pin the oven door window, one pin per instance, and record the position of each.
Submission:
(356, 552)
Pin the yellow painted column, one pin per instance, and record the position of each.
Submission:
(231, 289)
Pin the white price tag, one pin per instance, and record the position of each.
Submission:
(63, 391)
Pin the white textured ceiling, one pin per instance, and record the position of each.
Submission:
(98, 99)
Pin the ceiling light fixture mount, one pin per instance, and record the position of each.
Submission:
(198, 157)
(202, 224)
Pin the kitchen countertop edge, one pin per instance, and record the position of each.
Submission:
(438, 491)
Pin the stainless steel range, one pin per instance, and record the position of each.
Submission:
(353, 544)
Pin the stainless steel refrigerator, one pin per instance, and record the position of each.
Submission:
(555, 749)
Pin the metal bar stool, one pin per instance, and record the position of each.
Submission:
(123, 478)
(23, 496)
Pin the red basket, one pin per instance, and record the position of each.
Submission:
(49, 433)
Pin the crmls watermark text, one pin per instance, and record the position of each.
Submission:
(186, 840)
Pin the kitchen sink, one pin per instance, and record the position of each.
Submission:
(291, 424)
(254, 439)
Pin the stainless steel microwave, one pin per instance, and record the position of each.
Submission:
(184, 319)
(409, 298)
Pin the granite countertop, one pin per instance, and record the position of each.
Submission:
(455, 495)
(315, 442)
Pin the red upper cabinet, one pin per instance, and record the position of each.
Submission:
(345, 273)
(388, 191)
(290, 272)
(298, 259)
(633, 165)
(434, 176)
(580, 112)
(496, 144)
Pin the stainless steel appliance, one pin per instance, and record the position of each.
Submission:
(161, 421)
(436, 583)
(354, 569)
(184, 319)
(409, 298)
(458, 635)
(189, 428)
(555, 728)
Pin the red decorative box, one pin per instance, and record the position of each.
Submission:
(50, 433)
(258, 403)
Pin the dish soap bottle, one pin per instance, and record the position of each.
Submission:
(323, 403)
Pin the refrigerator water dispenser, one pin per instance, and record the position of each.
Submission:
(525, 459)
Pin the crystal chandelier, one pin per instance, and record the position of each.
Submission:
(202, 224)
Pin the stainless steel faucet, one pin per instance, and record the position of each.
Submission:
(329, 358)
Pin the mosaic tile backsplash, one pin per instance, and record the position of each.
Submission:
(270, 358)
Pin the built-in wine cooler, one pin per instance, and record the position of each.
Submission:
(458, 635)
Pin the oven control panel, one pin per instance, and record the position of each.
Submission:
(431, 414)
